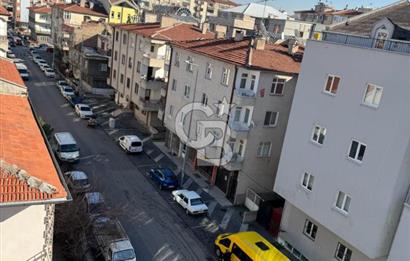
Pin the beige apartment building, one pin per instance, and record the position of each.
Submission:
(242, 90)
(140, 63)
(4, 43)
(40, 23)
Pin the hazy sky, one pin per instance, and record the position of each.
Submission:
(292, 5)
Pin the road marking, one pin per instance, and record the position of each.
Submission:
(100, 106)
(88, 157)
(187, 183)
(226, 218)
(112, 132)
(159, 157)
(244, 227)
(146, 139)
(211, 207)
(105, 123)
(149, 152)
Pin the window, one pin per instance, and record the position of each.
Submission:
(310, 229)
(208, 72)
(277, 86)
(137, 87)
(264, 149)
(138, 67)
(129, 62)
(342, 252)
(244, 78)
(246, 117)
(128, 82)
(253, 79)
(189, 64)
(176, 59)
(226, 242)
(204, 99)
(122, 78)
(307, 181)
(271, 119)
(241, 147)
(236, 251)
(115, 74)
(171, 110)
(237, 115)
(115, 55)
(174, 85)
(103, 67)
(117, 35)
(332, 84)
(112, 14)
(225, 76)
(357, 150)
(373, 95)
(187, 90)
(343, 202)
(219, 108)
(319, 134)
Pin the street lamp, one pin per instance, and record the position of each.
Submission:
(190, 121)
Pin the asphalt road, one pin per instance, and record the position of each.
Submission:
(157, 231)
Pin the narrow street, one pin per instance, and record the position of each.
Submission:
(157, 231)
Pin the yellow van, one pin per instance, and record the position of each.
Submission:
(246, 246)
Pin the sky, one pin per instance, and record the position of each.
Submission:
(292, 5)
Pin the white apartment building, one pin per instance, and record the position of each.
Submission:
(344, 168)
(4, 43)
(259, 80)
(139, 64)
(40, 24)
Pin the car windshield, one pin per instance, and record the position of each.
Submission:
(135, 143)
(86, 108)
(96, 208)
(49, 70)
(69, 148)
(171, 177)
(68, 89)
(81, 182)
(123, 255)
(22, 70)
(196, 201)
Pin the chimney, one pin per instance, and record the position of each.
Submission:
(82, 3)
(204, 28)
(260, 43)
(292, 46)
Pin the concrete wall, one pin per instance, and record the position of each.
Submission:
(400, 247)
(22, 232)
(378, 185)
(4, 44)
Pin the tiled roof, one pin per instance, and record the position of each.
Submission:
(273, 57)
(9, 73)
(363, 24)
(177, 32)
(68, 28)
(40, 9)
(75, 8)
(3, 11)
(346, 12)
(23, 145)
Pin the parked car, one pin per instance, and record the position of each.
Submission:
(83, 111)
(10, 55)
(40, 61)
(74, 99)
(190, 201)
(65, 147)
(44, 66)
(94, 204)
(164, 177)
(50, 73)
(130, 143)
(67, 91)
(18, 60)
(77, 181)
(23, 71)
(36, 58)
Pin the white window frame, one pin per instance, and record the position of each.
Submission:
(225, 76)
(372, 104)
(308, 229)
(190, 64)
(204, 99)
(208, 71)
(360, 144)
(275, 82)
(187, 91)
(244, 79)
(270, 119)
(310, 179)
(344, 253)
(176, 59)
(262, 148)
(330, 90)
(174, 85)
(171, 111)
(343, 208)
(321, 129)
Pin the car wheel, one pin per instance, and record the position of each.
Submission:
(187, 211)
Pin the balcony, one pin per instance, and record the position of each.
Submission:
(149, 105)
(365, 42)
(154, 84)
(154, 60)
(164, 91)
(244, 97)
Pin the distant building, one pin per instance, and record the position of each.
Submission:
(122, 11)
(4, 44)
(40, 24)
(31, 183)
(202, 9)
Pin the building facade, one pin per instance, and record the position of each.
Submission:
(40, 24)
(346, 196)
(4, 43)
(228, 72)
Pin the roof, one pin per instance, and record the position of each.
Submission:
(345, 12)
(68, 28)
(223, 2)
(78, 175)
(397, 13)
(9, 73)
(34, 177)
(40, 9)
(273, 57)
(75, 8)
(133, 138)
(257, 11)
(176, 32)
(3, 11)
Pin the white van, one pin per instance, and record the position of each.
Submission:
(130, 143)
(22, 68)
(65, 147)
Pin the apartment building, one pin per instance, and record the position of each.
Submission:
(202, 9)
(243, 85)
(4, 44)
(344, 168)
(122, 11)
(40, 24)
(30, 180)
(140, 63)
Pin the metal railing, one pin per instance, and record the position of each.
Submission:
(366, 42)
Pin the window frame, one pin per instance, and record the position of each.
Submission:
(225, 75)
(343, 205)
(273, 90)
(318, 136)
(365, 92)
(261, 147)
(174, 85)
(330, 90)
(360, 144)
(347, 250)
(208, 71)
(309, 181)
(310, 234)
(270, 119)
(187, 95)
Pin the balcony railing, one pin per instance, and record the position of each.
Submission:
(361, 41)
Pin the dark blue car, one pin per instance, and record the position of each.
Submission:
(165, 178)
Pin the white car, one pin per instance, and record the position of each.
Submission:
(83, 111)
(50, 73)
(190, 201)
(67, 91)
(78, 181)
(62, 83)
(40, 61)
(130, 143)
(10, 55)
(45, 66)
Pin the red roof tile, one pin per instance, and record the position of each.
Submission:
(75, 8)
(9, 73)
(40, 9)
(22, 144)
(273, 57)
(177, 32)
(3, 11)
(68, 28)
